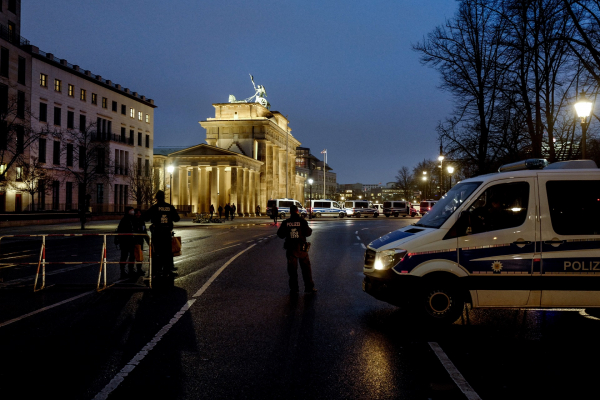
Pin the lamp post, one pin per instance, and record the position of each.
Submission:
(310, 182)
(441, 159)
(584, 109)
(170, 170)
(450, 169)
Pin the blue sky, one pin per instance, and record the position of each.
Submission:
(342, 71)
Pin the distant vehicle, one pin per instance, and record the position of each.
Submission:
(283, 206)
(359, 208)
(326, 208)
(426, 206)
(378, 207)
(397, 208)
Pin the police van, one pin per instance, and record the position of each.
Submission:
(426, 206)
(326, 208)
(397, 208)
(507, 239)
(360, 208)
(283, 207)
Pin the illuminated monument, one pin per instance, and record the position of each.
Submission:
(249, 158)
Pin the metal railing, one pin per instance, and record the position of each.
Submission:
(102, 280)
(11, 37)
(112, 137)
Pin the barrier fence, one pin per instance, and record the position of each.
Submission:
(41, 264)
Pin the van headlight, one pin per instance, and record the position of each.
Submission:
(387, 259)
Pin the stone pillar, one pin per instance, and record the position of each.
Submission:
(214, 188)
(253, 183)
(183, 186)
(269, 170)
(233, 191)
(174, 182)
(292, 176)
(247, 201)
(222, 188)
(204, 189)
(195, 188)
(276, 194)
(281, 173)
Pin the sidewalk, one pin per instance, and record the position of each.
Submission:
(109, 226)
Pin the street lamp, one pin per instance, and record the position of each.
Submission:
(584, 109)
(441, 160)
(310, 182)
(170, 170)
(450, 169)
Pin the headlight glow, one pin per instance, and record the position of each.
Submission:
(387, 259)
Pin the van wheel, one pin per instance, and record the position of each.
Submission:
(442, 304)
(387, 215)
(396, 215)
(357, 215)
(342, 215)
(282, 216)
(318, 215)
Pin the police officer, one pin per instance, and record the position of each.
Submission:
(162, 215)
(295, 230)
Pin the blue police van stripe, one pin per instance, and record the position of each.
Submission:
(389, 238)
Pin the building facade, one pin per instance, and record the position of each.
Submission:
(310, 167)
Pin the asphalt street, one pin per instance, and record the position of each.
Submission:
(230, 329)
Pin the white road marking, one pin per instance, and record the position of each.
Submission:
(45, 309)
(456, 376)
(356, 233)
(363, 246)
(358, 237)
(120, 377)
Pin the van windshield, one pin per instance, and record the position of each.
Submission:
(447, 205)
(361, 204)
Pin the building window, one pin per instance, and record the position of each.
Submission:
(57, 116)
(70, 119)
(147, 118)
(140, 115)
(147, 168)
(123, 134)
(19, 174)
(147, 141)
(3, 135)
(20, 104)
(139, 167)
(4, 60)
(100, 193)
(12, 6)
(56, 153)
(139, 138)
(123, 109)
(69, 155)
(82, 157)
(94, 98)
(43, 80)
(43, 112)
(57, 85)
(42, 150)
(114, 106)
(104, 102)
(20, 139)
(69, 197)
(131, 138)
(132, 113)
(82, 123)
(3, 99)
(83, 95)
(71, 90)
(22, 70)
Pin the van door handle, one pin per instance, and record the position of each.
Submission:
(554, 241)
(522, 242)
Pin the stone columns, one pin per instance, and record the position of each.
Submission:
(204, 189)
(222, 187)
(175, 186)
(292, 176)
(253, 190)
(214, 188)
(233, 196)
(195, 188)
(247, 200)
(275, 193)
(269, 170)
(282, 175)
(183, 186)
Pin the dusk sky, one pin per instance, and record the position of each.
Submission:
(343, 72)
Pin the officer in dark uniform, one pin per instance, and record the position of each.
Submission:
(162, 215)
(295, 230)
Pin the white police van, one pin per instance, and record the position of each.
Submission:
(507, 239)
(326, 208)
(360, 208)
(283, 207)
(397, 208)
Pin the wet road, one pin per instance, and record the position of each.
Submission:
(229, 329)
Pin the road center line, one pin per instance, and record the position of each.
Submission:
(358, 237)
(456, 376)
(130, 366)
(363, 246)
(45, 309)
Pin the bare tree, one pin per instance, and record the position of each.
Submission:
(33, 179)
(141, 185)
(404, 181)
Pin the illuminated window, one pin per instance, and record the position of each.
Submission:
(83, 95)
(71, 90)
(57, 85)
(147, 118)
(132, 113)
(43, 80)
(104, 102)
(139, 115)
(19, 174)
(94, 98)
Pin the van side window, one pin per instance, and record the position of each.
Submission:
(578, 217)
(499, 207)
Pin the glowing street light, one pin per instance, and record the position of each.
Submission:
(450, 170)
(584, 109)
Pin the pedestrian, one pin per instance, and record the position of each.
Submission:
(162, 215)
(126, 243)
(295, 230)
(274, 213)
(212, 210)
(139, 226)
(258, 210)
(233, 208)
(220, 211)
(227, 211)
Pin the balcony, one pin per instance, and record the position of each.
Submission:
(11, 37)
(111, 137)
